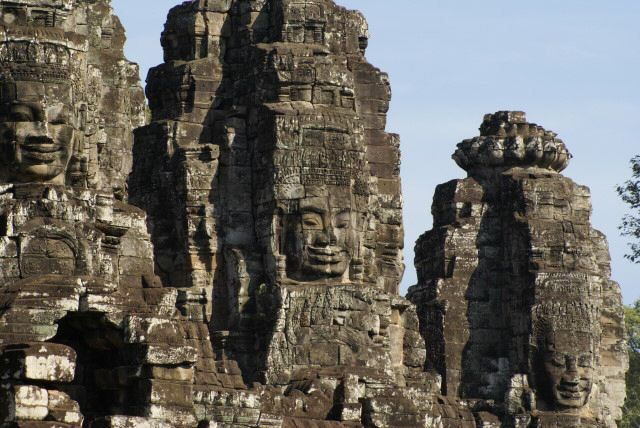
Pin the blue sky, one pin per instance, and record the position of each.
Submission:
(572, 65)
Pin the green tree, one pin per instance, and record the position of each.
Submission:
(631, 415)
(630, 193)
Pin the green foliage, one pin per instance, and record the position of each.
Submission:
(631, 418)
(633, 326)
(630, 193)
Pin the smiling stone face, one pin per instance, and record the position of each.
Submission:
(36, 132)
(568, 364)
(319, 237)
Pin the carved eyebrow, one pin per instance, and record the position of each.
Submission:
(35, 109)
(313, 210)
(18, 112)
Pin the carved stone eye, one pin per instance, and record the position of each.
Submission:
(21, 113)
(558, 360)
(57, 115)
(342, 220)
(311, 221)
(585, 360)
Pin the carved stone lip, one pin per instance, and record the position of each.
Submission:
(573, 394)
(41, 147)
(325, 260)
(326, 251)
(325, 255)
(569, 389)
(41, 152)
(575, 398)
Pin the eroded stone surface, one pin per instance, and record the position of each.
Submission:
(513, 293)
(76, 261)
(284, 231)
(256, 283)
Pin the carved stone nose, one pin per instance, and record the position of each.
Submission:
(572, 366)
(332, 236)
(571, 377)
(322, 238)
(41, 126)
(38, 138)
(37, 130)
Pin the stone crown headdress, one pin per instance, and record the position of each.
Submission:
(576, 317)
(39, 54)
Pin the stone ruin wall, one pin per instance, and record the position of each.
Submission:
(258, 285)
(86, 330)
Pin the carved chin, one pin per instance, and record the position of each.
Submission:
(41, 172)
(41, 162)
(325, 270)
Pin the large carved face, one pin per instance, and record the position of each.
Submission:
(36, 131)
(319, 238)
(568, 364)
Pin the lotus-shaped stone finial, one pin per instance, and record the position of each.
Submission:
(507, 140)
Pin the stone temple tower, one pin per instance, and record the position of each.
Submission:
(513, 293)
(274, 198)
(246, 273)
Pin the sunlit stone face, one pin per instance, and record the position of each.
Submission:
(36, 132)
(319, 238)
(568, 363)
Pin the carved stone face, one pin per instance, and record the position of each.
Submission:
(319, 239)
(36, 131)
(495, 153)
(568, 364)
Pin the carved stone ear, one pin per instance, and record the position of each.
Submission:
(356, 270)
(281, 267)
(83, 117)
(278, 231)
(77, 171)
